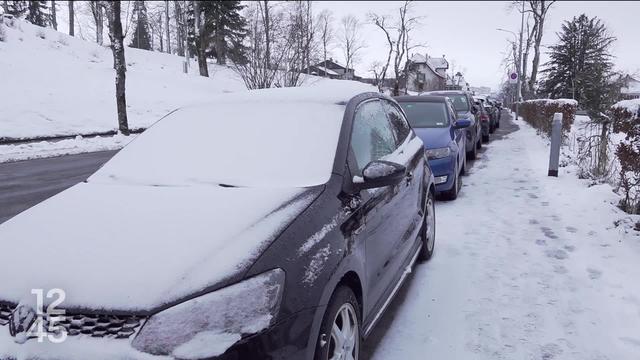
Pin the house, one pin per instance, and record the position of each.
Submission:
(631, 88)
(425, 73)
(330, 69)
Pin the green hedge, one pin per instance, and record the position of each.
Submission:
(539, 113)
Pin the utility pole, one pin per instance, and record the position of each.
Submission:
(519, 90)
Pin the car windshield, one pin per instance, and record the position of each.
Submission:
(426, 114)
(259, 144)
(460, 103)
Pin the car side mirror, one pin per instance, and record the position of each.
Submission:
(380, 173)
(462, 123)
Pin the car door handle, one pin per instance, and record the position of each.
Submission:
(409, 177)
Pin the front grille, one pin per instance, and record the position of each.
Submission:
(95, 325)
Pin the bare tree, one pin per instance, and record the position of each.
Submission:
(54, 18)
(200, 39)
(5, 6)
(116, 37)
(537, 11)
(325, 20)
(71, 18)
(168, 33)
(180, 27)
(96, 8)
(350, 41)
(381, 23)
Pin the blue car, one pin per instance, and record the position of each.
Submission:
(434, 120)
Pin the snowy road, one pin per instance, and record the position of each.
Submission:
(26, 183)
(526, 267)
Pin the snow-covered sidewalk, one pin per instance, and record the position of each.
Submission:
(526, 267)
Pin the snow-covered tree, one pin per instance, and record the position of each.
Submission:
(581, 68)
(225, 29)
(37, 13)
(116, 37)
(140, 38)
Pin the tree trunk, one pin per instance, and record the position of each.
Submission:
(267, 35)
(54, 19)
(603, 150)
(179, 28)
(200, 43)
(99, 23)
(168, 34)
(71, 19)
(5, 6)
(119, 64)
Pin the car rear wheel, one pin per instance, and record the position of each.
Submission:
(473, 154)
(428, 231)
(340, 331)
(485, 138)
(479, 143)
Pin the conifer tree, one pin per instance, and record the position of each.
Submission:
(140, 38)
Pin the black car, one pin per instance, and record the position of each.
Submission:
(271, 224)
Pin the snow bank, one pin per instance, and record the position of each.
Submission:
(40, 149)
(73, 91)
(632, 106)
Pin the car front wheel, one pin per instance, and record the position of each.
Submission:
(340, 331)
(428, 231)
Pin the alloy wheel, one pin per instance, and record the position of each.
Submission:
(431, 224)
(344, 343)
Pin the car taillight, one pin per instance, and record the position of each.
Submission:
(484, 117)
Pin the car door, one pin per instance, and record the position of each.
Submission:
(372, 138)
(410, 199)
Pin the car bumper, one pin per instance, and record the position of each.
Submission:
(443, 173)
(285, 340)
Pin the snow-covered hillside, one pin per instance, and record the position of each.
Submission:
(55, 84)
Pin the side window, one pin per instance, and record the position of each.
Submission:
(372, 136)
(398, 121)
(452, 113)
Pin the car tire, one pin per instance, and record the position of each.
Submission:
(485, 138)
(343, 311)
(497, 124)
(453, 193)
(492, 129)
(479, 143)
(463, 170)
(428, 231)
(473, 154)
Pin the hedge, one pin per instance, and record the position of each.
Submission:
(539, 113)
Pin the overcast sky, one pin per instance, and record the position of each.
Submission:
(466, 32)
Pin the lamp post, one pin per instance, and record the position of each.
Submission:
(519, 64)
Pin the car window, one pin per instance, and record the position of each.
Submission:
(399, 123)
(372, 136)
(422, 114)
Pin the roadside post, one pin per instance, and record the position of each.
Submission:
(556, 140)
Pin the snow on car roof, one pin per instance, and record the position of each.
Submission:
(263, 138)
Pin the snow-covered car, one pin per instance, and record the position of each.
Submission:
(267, 224)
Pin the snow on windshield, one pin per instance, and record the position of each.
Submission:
(240, 143)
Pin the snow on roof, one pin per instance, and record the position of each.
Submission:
(418, 58)
(326, 70)
(262, 138)
(632, 106)
(633, 88)
(438, 63)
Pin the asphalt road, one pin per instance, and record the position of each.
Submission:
(26, 183)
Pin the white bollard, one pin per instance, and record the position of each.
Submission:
(556, 141)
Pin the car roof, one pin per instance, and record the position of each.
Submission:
(447, 92)
(421, 98)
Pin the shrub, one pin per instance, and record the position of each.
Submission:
(625, 116)
(539, 113)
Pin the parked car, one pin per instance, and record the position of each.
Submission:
(434, 120)
(463, 105)
(485, 119)
(269, 224)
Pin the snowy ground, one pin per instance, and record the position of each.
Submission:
(526, 267)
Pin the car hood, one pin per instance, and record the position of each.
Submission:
(434, 138)
(132, 247)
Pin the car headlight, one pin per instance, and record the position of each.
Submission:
(208, 325)
(440, 153)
